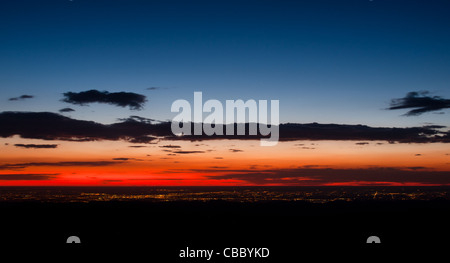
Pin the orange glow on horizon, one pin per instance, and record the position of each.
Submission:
(184, 163)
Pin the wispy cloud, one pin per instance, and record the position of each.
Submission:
(158, 88)
(126, 159)
(66, 110)
(52, 126)
(23, 97)
(420, 102)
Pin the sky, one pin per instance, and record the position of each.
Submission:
(379, 64)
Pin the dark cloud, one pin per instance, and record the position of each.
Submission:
(37, 146)
(306, 176)
(361, 143)
(66, 110)
(420, 102)
(188, 152)
(23, 97)
(342, 132)
(123, 99)
(316, 131)
(53, 126)
(235, 150)
(26, 177)
(15, 166)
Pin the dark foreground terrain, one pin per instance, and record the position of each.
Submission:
(291, 230)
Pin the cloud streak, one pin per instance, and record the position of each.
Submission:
(341, 132)
(170, 146)
(66, 110)
(187, 152)
(23, 97)
(37, 146)
(26, 177)
(122, 99)
(15, 166)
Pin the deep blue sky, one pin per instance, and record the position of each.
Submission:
(326, 61)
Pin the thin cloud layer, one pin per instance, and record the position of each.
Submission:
(26, 177)
(122, 99)
(15, 166)
(325, 176)
(420, 102)
(66, 110)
